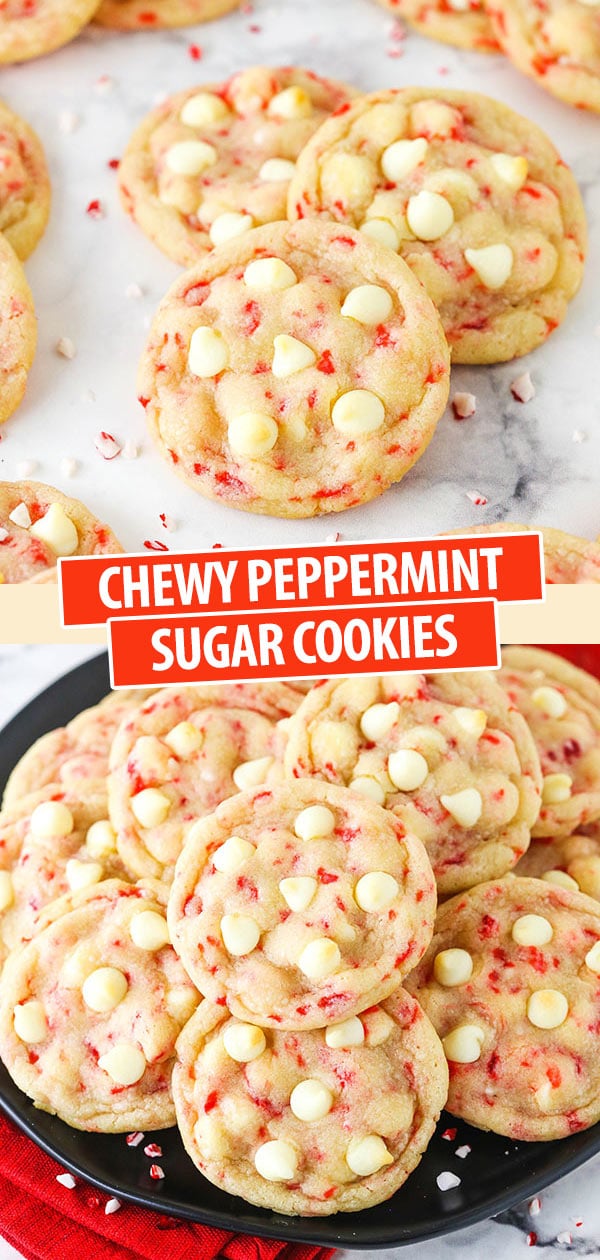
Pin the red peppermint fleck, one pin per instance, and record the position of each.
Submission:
(325, 364)
(153, 1151)
(211, 1101)
(449, 1135)
(95, 209)
(475, 497)
(113, 164)
(195, 52)
(156, 1172)
(532, 1239)
(154, 544)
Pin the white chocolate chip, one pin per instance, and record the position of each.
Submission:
(7, 892)
(510, 170)
(407, 769)
(382, 231)
(532, 929)
(240, 934)
(252, 434)
(104, 988)
(269, 275)
(402, 157)
(184, 739)
(29, 1021)
(368, 304)
(592, 959)
(365, 1156)
(232, 854)
(547, 1008)
(291, 103)
(244, 1042)
(356, 412)
(298, 891)
(350, 1032)
(277, 171)
(57, 530)
(291, 356)
(148, 930)
(228, 225)
(83, 874)
(452, 967)
(556, 788)
(378, 720)
(276, 1161)
(190, 157)
(550, 701)
(203, 109)
(493, 264)
(251, 774)
(561, 879)
(320, 958)
(464, 807)
(314, 822)
(51, 819)
(463, 1044)
(101, 839)
(150, 807)
(367, 786)
(376, 891)
(311, 1100)
(472, 721)
(124, 1064)
(208, 353)
(429, 215)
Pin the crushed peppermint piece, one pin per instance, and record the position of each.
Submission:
(449, 1135)
(463, 1151)
(156, 1172)
(106, 445)
(65, 347)
(111, 1205)
(476, 497)
(113, 164)
(333, 538)
(195, 52)
(447, 1181)
(154, 544)
(216, 546)
(95, 209)
(564, 1238)
(88, 396)
(104, 85)
(26, 468)
(134, 290)
(464, 406)
(68, 122)
(153, 1151)
(579, 436)
(254, 28)
(134, 1139)
(130, 450)
(69, 466)
(167, 522)
(535, 1206)
(523, 388)
(532, 1239)
(67, 1180)
(20, 516)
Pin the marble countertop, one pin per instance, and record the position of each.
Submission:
(535, 463)
(568, 1219)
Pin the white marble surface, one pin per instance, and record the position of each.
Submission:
(523, 458)
(569, 1208)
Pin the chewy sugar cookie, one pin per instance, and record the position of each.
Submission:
(556, 42)
(181, 753)
(24, 183)
(463, 23)
(313, 1123)
(561, 705)
(38, 524)
(442, 751)
(567, 558)
(214, 161)
(298, 370)
(136, 15)
(91, 1008)
(31, 28)
(510, 983)
(473, 196)
(300, 905)
(569, 861)
(18, 333)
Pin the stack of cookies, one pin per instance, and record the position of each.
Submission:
(217, 907)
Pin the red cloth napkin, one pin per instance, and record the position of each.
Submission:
(585, 655)
(45, 1221)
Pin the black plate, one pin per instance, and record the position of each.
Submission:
(497, 1174)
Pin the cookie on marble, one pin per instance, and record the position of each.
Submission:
(180, 754)
(36, 27)
(309, 1124)
(24, 184)
(561, 705)
(510, 983)
(463, 23)
(443, 751)
(298, 370)
(569, 861)
(38, 524)
(556, 42)
(18, 332)
(216, 160)
(473, 196)
(300, 904)
(91, 1009)
(155, 15)
(567, 558)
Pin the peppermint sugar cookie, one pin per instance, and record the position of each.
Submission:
(31, 28)
(181, 753)
(463, 23)
(297, 370)
(91, 1008)
(510, 983)
(569, 861)
(443, 751)
(18, 333)
(567, 558)
(212, 162)
(556, 42)
(24, 184)
(327, 1121)
(474, 197)
(561, 705)
(300, 905)
(38, 524)
(136, 15)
